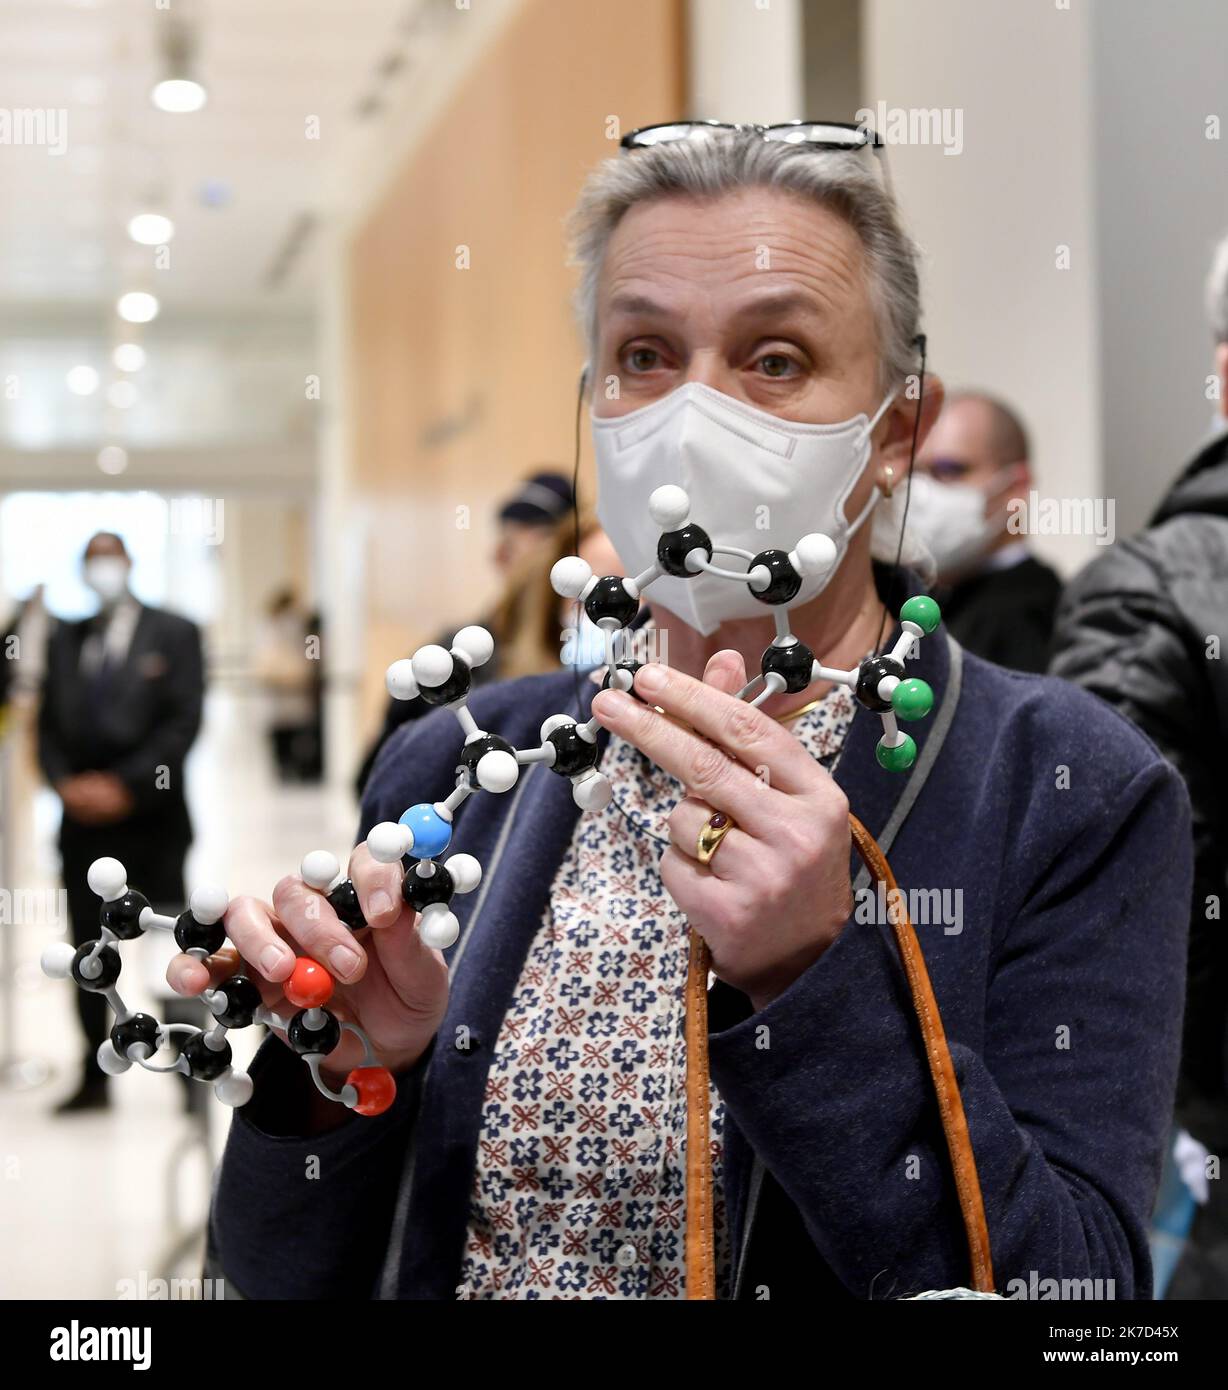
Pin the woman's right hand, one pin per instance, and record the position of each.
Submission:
(387, 982)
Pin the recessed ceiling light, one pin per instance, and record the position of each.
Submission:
(151, 228)
(112, 459)
(129, 357)
(82, 381)
(137, 307)
(178, 95)
(121, 394)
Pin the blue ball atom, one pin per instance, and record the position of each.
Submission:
(432, 834)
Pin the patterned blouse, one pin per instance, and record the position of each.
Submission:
(579, 1190)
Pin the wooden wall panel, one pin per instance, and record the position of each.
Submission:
(463, 380)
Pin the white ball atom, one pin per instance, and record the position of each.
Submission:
(465, 870)
(209, 903)
(592, 793)
(570, 575)
(438, 926)
(497, 771)
(319, 869)
(235, 1089)
(815, 554)
(108, 878)
(556, 721)
(475, 644)
(433, 665)
(399, 678)
(110, 1061)
(57, 959)
(389, 841)
(669, 507)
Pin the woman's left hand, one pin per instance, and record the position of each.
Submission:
(776, 892)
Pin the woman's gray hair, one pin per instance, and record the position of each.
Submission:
(727, 161)
(1217, 293)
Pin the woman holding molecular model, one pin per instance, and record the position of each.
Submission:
(752, 311)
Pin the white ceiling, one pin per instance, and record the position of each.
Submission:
(268, 66)
(251, 195)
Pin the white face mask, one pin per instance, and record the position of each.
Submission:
(755, 481)
(107, 576)
(950, 519)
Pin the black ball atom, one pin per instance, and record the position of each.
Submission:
(785, 581)
(609, 598)
(572, 753)
(205, 1063)
(674, 546)
(794, 662)
(107, 958)
(140, 1028)
(420, 892)
(456, 687)
(242, 1001)
(871, 671)
(344, 902)
(474, 751)
(631, 667)
(305, 1040)
(122, 916)
(201, 936)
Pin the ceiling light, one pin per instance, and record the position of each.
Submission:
(137, 307)
(129, 357)
(82, 381)
(151, 229)
(178, 95)
(112, 459)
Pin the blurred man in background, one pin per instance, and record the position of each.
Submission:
(1142, 626)
(121, 707)
(1000, 599)
(528, 527)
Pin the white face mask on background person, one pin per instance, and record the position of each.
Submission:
(755, 481)
(950, 519)
(107, 575)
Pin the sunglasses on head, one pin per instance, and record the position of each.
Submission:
(842, 136)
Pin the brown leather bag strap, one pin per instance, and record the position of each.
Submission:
(700, 1249)
(700, 1245)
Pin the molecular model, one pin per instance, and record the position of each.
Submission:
(202, 1054)
(443, 677)
(774, 577)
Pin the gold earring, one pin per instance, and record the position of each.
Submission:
(889, 489)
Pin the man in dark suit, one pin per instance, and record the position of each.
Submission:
(121, 707)
(998, 600)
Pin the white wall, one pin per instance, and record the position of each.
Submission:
(998, 313)
(1162, 203)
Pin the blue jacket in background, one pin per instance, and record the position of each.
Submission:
(1064, 840)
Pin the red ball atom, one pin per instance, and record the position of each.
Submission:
(376, 1088)
(310, 986)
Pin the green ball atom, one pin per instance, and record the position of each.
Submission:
(897, 759)
(922, 610)
(912, 699)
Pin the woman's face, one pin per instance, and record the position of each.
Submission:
(758, 294)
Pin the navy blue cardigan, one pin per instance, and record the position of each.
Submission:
(1060, 987)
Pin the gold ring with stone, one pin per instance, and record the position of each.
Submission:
(713, 831)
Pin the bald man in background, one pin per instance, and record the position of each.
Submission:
(1000, 600)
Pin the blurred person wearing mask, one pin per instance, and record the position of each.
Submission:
(997, 598)
(528, 526)
(1140, 626)
(121, 707)
(536, 1145)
